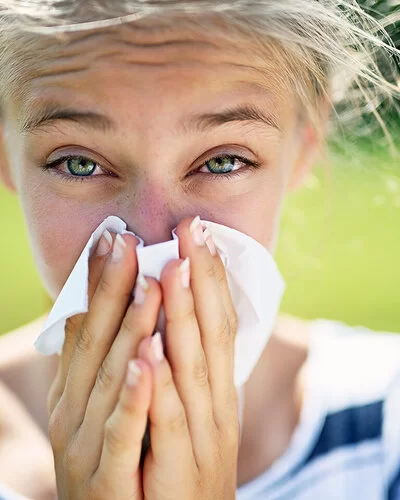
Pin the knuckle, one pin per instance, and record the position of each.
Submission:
(167, 384)
(218, 457)
(223, 336)
(200, 372)
(133, 324)
(73, 461)
(230, 434)
(127, 323)
(231, 438)
(110, 289)
(129, 408)
(186, 316)
(91, 281)
(85, 339)
(73, 324)
(106, 287)
(234, 321)
(97, 489)
(213, 460)
(94, 493)
(57, 430)
(210, 271)
(176, 423)
(189, 315)
(221, 278)
(106, 378)
(113, 438)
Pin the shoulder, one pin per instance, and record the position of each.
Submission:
(356, 374)
(22, 368)
(355, 365)
(348, 365)
(17, 345)
(348, 431)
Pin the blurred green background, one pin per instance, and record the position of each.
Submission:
(338, 250)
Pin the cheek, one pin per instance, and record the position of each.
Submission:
(58, 232)
(257, 212)
(257, 217)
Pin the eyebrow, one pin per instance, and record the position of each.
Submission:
(96, 121)
(52, 113)
(241, 113)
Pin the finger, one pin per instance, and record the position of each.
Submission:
(97, 263)
(185, 352)
(101, 325)
(212, 317)
(138, 323)
(222, 280)
(125, 429)
(168, 425)
(72, 326)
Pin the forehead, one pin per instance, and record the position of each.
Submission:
(130, 70)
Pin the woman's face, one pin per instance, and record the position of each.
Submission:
(151, 126)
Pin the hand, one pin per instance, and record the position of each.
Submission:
(97, 422)
(193, 413)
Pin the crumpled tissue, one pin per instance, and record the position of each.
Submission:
(253, 277)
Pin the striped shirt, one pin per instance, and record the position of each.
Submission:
(347, 443)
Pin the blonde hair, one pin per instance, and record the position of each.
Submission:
(330, 47)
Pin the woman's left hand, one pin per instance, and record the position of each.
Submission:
(193, 416)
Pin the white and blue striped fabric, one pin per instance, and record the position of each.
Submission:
(347, 443)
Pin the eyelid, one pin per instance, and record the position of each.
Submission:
(245, 161)
(57, 162)
(230, 150)
(71, 151)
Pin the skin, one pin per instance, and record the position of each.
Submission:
(152, 89)
(19, 434)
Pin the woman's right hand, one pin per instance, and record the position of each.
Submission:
(95, 430)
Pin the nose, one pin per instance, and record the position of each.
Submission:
(152, 212)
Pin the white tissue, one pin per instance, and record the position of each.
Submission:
(254, 281)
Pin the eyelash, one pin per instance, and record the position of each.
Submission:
(250, 165)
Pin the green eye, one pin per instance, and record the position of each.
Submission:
(221, 164)
(81, 167)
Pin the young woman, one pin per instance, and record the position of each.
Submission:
(159, 112)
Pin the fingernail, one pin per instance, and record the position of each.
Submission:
(119, 249)
(196, 231)
(157, 347)
(133, 374)
(184, 269)
(210, 242)
(105, 244)
(141, 289)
